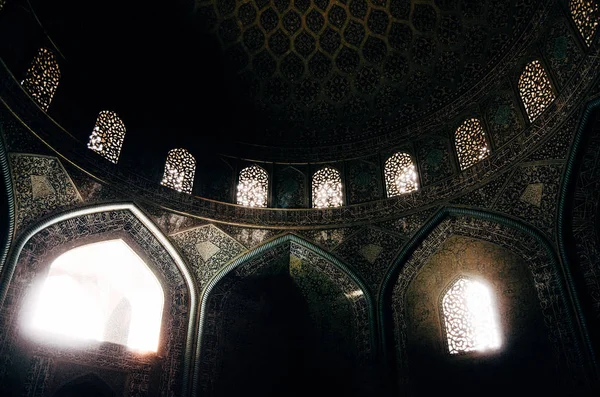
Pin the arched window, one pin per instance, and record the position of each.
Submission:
(400, 175)
(585, 14)
(107, 136)
(180, 168)
(535, 89)
(2, 3)
(253, 187)
(470, 143)
(470, 317)
(102, 291)
(327, 188)
(41, 80)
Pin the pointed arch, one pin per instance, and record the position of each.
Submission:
(180, 168)
(107, 136)
(535, 89)
(400, 174)
(85, 385)
(470, 143)
(253, 187)
(41, 80)
(105, 221)
(292, 245)
(528, 241)
(586, 16)
(327, 188)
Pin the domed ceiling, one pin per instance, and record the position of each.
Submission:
(275, 73)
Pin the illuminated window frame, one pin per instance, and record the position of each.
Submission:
(180, 168)
(535, 89)
(253, 187)
(400, 174)
(586, 16)
(41, 80)
(470, 143)
(327, 189)
(81, 298)
(469, 316)
(107, 136)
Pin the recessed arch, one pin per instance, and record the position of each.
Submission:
(22, 266)
(360, 293)
(542, 265)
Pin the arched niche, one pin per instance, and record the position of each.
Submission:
(286, 319)
(35, 360)
(89, 385)
(539, 349)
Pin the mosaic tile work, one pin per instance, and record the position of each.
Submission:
(310, 312)
(41, 187)
(370, 251)
(546, 280)
(34, 260)
(207, 249)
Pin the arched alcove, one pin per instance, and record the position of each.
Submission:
(285, 321)
(539, 347)
(43, 358)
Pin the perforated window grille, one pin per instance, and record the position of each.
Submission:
(253, 187)
(585, 14)
(469, 317)
(470, 143)
(535, 89)
(179, 171)
(400, 175)
(107, 136)
(327, 188)
(41, 80)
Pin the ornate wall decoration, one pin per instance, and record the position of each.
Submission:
(42, 363)
(180, 168)
(545, 286)
(289, 188)
(362, 178)
(435, 160)
(503, 115)
(516, 197)
(42, 186)
(217, 181)
(400, 175)
(557, 147)
(335, 310)
(253, 187)
(585, 14)
(562, 50)
(207, 249)
(107, 136)
(408, 225)
(42, 78)
(535, 89)
(328, 238)
(470, 143)
(327, 188)
(370, 251)
(485, 196)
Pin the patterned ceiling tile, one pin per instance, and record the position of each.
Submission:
(533, 194)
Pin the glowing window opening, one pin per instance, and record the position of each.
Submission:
(469, 141)
(400, 175)
(104, 292)
(253, 187)
(327, 188)
(180, 168)
(470, 317)
(107, 136)
(41, 80)
(586, 16)
(535, 89)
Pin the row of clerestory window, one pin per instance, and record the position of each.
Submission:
(400, 174)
